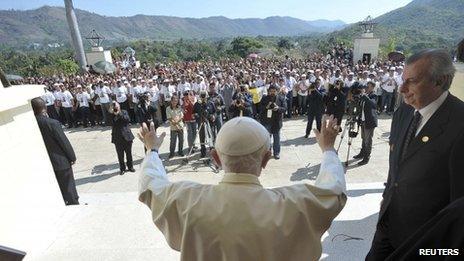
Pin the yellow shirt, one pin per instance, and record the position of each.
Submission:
(240, 220)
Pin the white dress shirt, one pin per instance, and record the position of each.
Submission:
(430, 109)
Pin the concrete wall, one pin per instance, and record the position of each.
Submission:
(365, 45)
(95, 56)
(31, 203)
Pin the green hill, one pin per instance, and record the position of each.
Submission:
(420, 24)
(48, 24)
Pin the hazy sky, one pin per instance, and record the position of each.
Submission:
(346, 10)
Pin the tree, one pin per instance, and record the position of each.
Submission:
(242, 46)
(284, 43)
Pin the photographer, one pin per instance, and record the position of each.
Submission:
(241, 103)
(122, 137)
(146, 112)
(368, 122)
(204, 113)
(218, 102)
(336, 101)
(315, 108)
(272, 109)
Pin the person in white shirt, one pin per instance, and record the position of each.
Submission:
(399, 83)
(143, 86)
(261, 81)
(183, 86)
(49, 99)
(303, 86)
(349, 80)
(95, 106)
(59, 98)
(289, 82)
(166, 92)
(103, 92)
(199, 85)
(388, 87)
(312, 76)
(335, 77)
(83, 98)
(67, 103)
(153, 90)
(364, 78)
(135, 92)
(121, 95)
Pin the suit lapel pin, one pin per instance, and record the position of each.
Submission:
(425, 139)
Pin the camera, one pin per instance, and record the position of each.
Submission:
(239, 99)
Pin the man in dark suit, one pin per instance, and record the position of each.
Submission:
(59, 150)
(444, 233)
(272, 111)
(315, 109)
(368, 121)
(122, 137)
(426, 152)
(335, 101)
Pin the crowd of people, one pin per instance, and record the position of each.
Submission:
(426, 147)
(201, 96)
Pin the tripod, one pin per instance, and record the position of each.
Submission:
(207, 142)
(349, 125)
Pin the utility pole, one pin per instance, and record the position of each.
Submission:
(75, 35)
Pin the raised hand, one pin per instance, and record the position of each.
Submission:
(329, 131)
(149, 137)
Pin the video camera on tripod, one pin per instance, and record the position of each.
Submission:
(354, 112)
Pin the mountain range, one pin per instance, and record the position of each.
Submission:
(48, 24)
(419, 24)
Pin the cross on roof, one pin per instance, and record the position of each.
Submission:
(95, 38)
(367, 25)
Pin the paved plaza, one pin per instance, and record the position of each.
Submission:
(110, 223)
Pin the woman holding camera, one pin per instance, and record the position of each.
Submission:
(122, 137)
(175, 114)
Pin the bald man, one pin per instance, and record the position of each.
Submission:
(238, 219)
(59, 150)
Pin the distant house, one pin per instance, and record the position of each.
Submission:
(460, 53)
(34, 46)
(54, 45)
